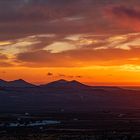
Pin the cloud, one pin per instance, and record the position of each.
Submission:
(5, 64)
(127, 17)
(78, 58)
(50, 74)
(21, 18)
(72, 33)
(77, 50)
(79, 76)
(34, 42)
(57, 47)
(70, 76)
(4, 61)
(43, 58)
(3, 57)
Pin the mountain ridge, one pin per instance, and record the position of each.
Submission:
(62, 83)
(66, 95)
(15, 83)
(65, 83)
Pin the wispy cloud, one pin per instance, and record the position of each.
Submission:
(50, 50)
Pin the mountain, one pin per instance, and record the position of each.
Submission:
(3, 83)
(65, 84)
(15, 83)
(20, 83)
(108, 88)
(71, 96)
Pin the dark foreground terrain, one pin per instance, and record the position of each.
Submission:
(68, 110)
(71, 126)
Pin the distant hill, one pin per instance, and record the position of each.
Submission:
(15, 83)
(3, 83)
(20, 83)
(63, 95)
(110, 88)
(65, 84)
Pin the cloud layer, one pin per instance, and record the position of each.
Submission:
(72, 33)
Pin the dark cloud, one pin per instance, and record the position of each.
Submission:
(122, 11)
(43, 58)
(3, 57)
(75, 59)
(50, 74)
(78, 76)
(127, 17)
(4, 61)
(3, 72)
(36, 10)
(69, 76)
(5, 64)
(27, 17)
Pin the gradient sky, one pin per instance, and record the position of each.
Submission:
(93, 41)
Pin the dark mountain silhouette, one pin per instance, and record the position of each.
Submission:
(65, 84)
(20, 83)
(108, 88)
(69, 96)
(55, 84)
(3, 83)
(15, 83)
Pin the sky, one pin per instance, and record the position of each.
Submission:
(92, 41)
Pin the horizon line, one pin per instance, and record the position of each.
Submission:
(107, 84)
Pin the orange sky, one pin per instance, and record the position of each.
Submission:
(96, 75)
(95, 42)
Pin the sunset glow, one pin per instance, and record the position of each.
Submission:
(95, 42)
